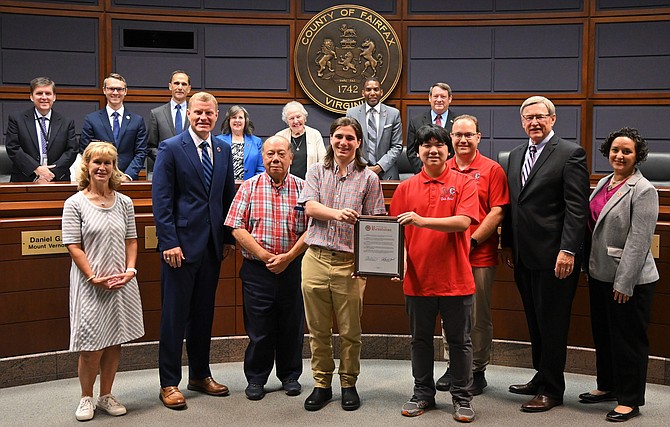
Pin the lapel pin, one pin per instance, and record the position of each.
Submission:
(127, 117)
(218, 149)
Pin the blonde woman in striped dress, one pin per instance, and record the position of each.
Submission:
(105, 307)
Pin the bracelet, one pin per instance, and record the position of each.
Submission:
(90, 278)
(129, 269)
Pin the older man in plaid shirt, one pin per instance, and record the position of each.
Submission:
(268, 224)
(336, 192)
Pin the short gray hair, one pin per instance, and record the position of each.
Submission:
(539, 100)
(293, 105)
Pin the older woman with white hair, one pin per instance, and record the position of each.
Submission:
(307, 142)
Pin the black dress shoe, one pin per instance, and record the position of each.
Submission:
(318, 399)
(529, 389)
(444, 383)
(541, 403)
(596, 398)
(350, 399)
(479, 383)
(619, 417)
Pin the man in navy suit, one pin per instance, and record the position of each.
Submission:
(117, 125)
(193, 188)
(439, 96)
(40, 142)
(542, 240)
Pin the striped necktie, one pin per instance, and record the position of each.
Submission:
(528, 164)
(43, 140)
(372, 137)
(206, 165)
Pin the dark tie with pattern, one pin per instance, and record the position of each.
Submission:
(372, 137)
(178, 121)
(438, 120)
(116, 126)
(206, 165)
(43, 140)
(528, 164)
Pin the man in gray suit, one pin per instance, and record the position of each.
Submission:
(163, 119)
(383, 141)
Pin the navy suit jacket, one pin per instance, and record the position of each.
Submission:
(23, 146)
(132, 143)
(549, 213)
(253, 154)
(185, 213)
(414, 124)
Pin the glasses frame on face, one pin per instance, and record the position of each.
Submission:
(468, 135)
(538, 117)
(115, 89)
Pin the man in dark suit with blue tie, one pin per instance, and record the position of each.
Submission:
(542, 239)
(115, 124)
(193, 188)
(169, 119)
(40, 142)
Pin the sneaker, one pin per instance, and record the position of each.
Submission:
(463, 412)
(444, 382)
(478, 383)
(291, 387)
(415, 406)
(254, 391)
(109, 404)
(86, 409)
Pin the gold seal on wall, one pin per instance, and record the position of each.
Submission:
(339, 49)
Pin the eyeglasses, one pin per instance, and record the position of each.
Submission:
(469, 135)
(538, 117)
(115, 89)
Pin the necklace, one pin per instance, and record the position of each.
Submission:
(295, 140)
(614, 183)
(100, 198)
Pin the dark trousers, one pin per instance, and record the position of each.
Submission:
(456, 312)
(547, 302)
(188, 294)
(274, 319)
(620, 337)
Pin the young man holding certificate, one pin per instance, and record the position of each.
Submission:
(337, 191)
(437, 207)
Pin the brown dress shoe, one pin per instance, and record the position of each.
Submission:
(208, 386)
(541, 403)
(172, 398)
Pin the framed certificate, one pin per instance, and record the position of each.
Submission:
(379, 248)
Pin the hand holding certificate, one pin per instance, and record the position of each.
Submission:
(378, 247)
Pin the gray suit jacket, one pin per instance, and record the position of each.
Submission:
(621, 241)
(389, 137)
(162, 128)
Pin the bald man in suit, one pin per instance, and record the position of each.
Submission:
(382, 153)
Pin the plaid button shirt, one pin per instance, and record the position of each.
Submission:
(269, 214)
(359, 190)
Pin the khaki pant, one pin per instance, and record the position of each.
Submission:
(482, 323)
(327, 287)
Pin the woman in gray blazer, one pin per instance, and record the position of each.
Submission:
(622, 275)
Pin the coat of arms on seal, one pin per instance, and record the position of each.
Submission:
(339, 48)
